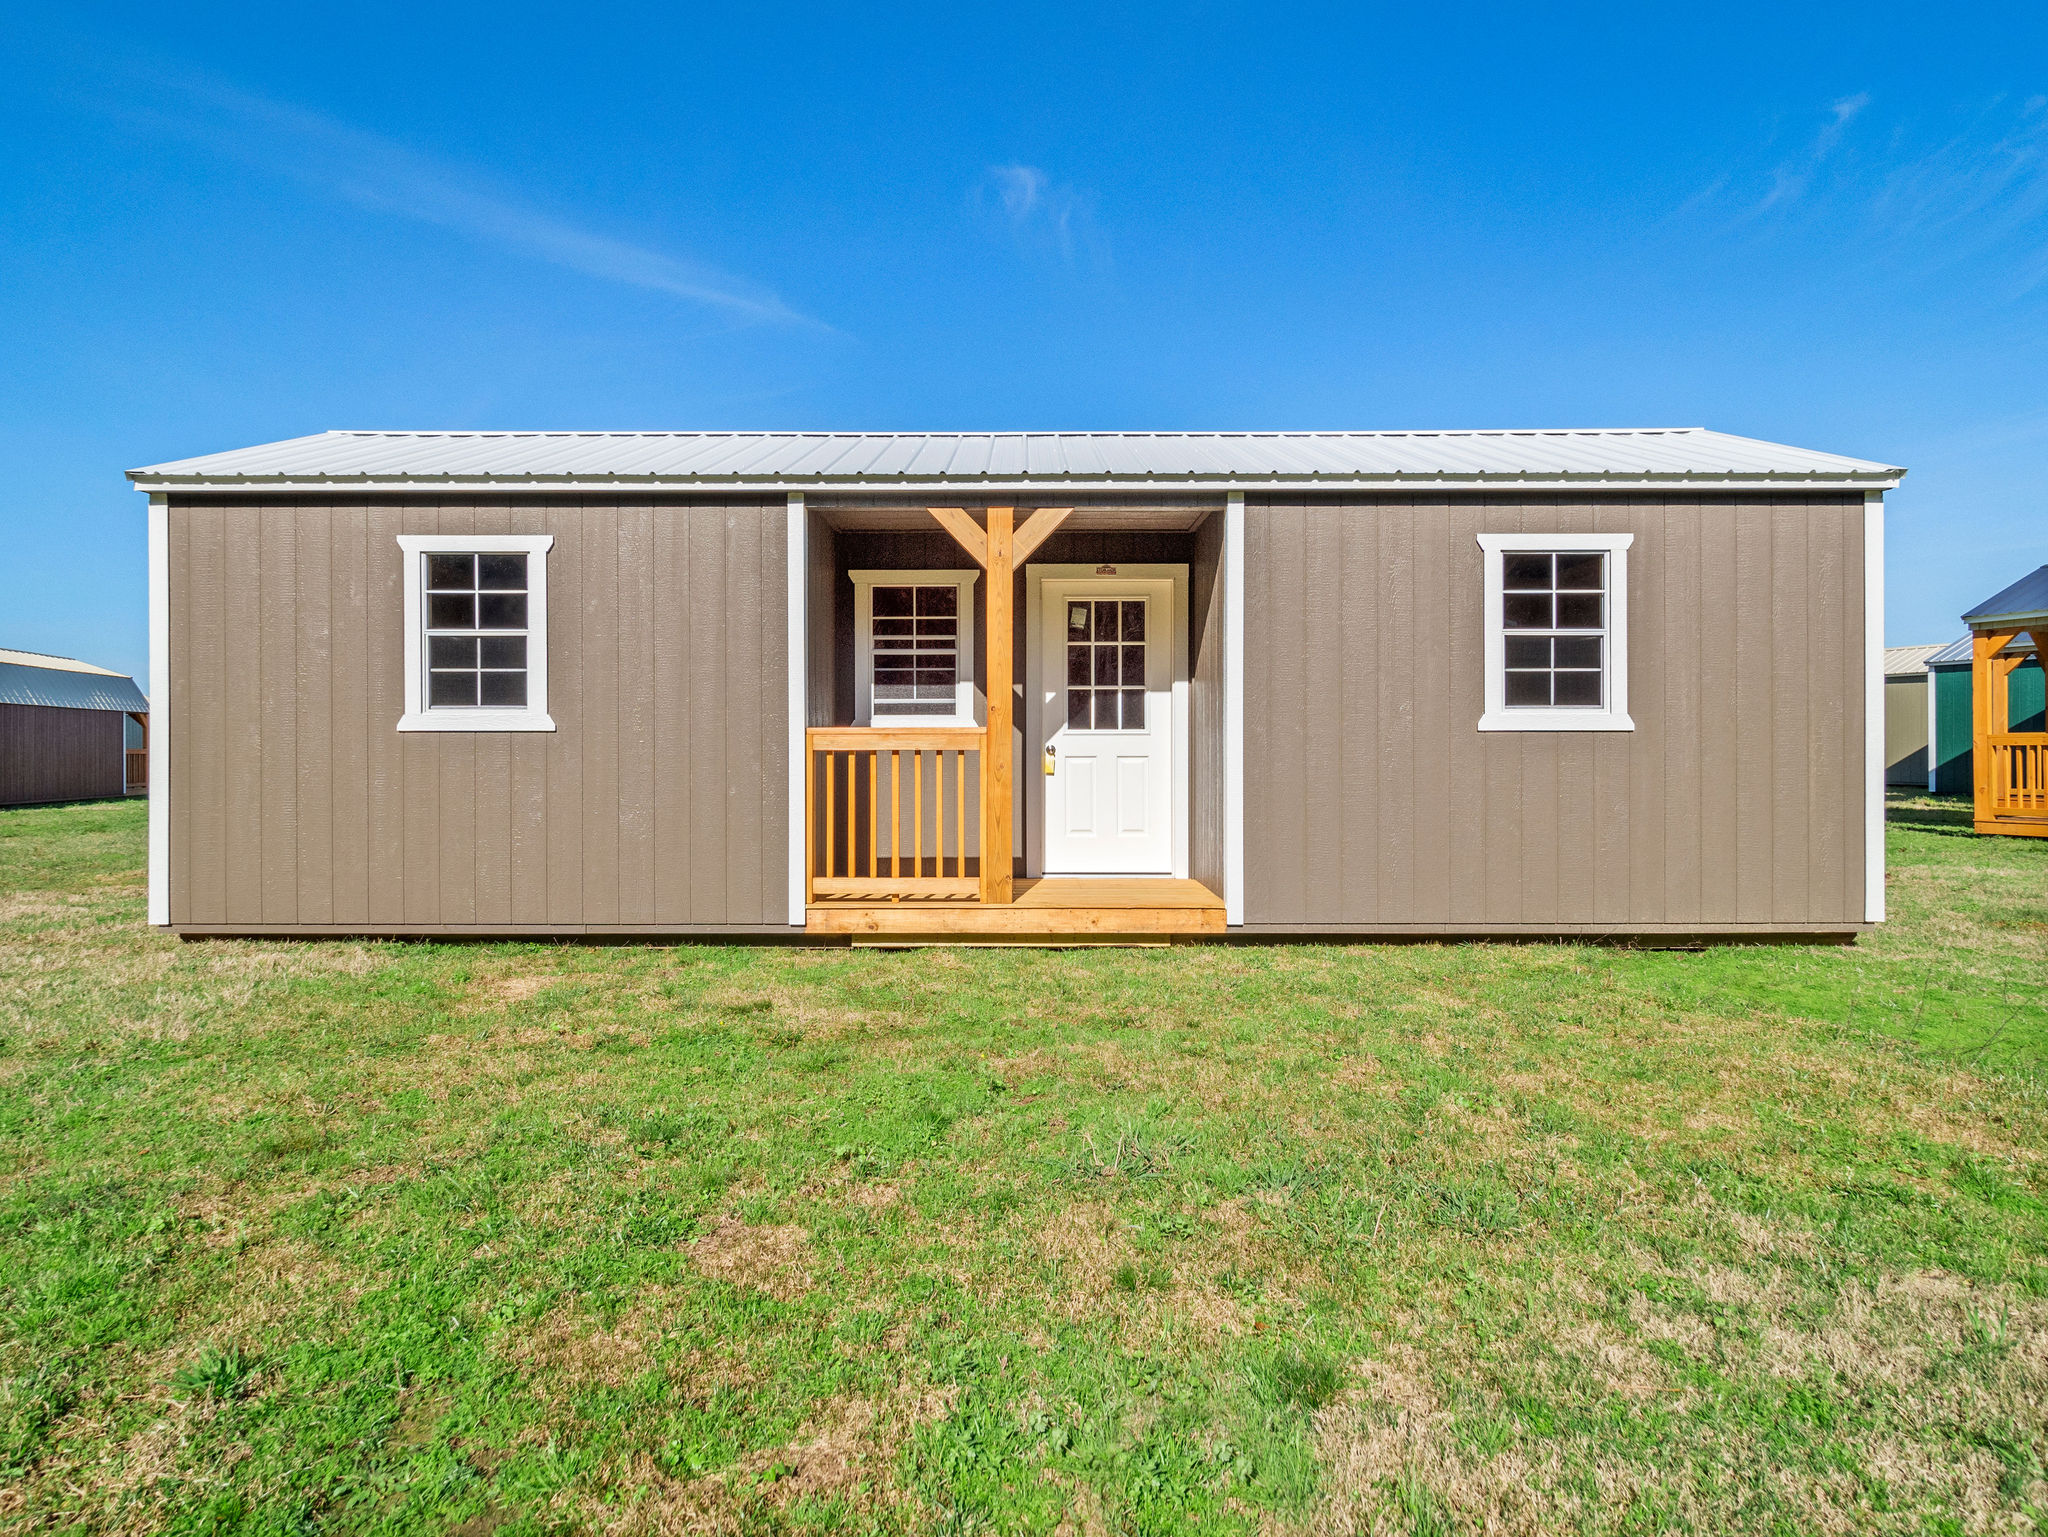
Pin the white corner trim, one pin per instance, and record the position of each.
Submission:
(1615, 716)
(797, 560)
(534, 717)
(159, 909)
(864, 585)
(1233, 709)
(1873, 707)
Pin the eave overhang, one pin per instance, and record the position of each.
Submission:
(981, 488)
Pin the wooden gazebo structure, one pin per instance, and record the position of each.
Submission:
(2011, 780)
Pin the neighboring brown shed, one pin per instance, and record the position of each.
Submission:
(1193, 684)
(69, 731)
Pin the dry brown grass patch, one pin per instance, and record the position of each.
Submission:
(775, 1260)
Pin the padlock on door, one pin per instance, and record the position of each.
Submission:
(1051, 761)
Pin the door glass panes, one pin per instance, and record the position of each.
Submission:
(1106, 664)
(476, 631)
(917, 650)
(1554, 613)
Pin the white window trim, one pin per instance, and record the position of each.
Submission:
(534, 716)
(864, 585)
(1614, 716)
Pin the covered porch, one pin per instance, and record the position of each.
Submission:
(900, 815)
(2010, 771)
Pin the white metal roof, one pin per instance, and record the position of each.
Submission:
(1908, 661)
(29, 677)
(1620, 458)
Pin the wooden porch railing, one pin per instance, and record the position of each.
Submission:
(888, 812)
(2018, 778)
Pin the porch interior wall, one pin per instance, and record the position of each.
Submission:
(1372, 800)
(658, 801)
(1206, 705)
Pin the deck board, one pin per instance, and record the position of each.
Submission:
(1052, 909)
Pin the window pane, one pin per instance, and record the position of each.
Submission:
(502, 572)
(1134, 620)
(1134, 709)
(1525, 573)
(1526, 688)
(894, 643)
(938, 600)
(1105, 666)
(1105, 620)
(1578, 610)
(1584, 652)
(1077, 621)
(1528, 651)
(935, 672)
(451, 612)
(1526, 611)
(893, 602)
(1077, 708)
(1105, 709)
(451, 688)
(501, 611)
(941, 630)
(451, 651)
(505, 651)
(895, 626)
(1581, 571)
(1579, 688)
(1134, 665)
(451, 571)
(506, 689)
(1077, 667)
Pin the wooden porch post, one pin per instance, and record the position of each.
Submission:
(1990, 711)
(997, 774)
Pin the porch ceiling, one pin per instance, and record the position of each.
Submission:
(1169, 515)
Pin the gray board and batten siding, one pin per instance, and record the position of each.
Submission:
(656, 806)
(1735, 805)
(1372, 803)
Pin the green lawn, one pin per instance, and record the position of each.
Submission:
(374, 1238)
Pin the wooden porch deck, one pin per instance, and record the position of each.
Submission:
(1053, 910)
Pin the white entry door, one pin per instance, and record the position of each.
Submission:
(1106, 693)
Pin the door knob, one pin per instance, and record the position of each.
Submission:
(1051, 760)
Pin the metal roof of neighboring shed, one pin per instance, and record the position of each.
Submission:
(1623, 458)
(29, 677)
(2027, 598)
(1961, 653)
(1907, 661)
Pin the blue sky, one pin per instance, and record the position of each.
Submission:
(224, 226)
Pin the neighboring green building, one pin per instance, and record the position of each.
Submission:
(1949, 760)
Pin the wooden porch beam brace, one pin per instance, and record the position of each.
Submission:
(954, 520)
(1038, 528)
(996, 768)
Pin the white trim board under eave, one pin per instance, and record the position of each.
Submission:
(797, 682)
(1873, 707)
(159, 711)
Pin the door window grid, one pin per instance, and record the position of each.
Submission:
(476, 626)
(916, 637)
(1106, 664)
(1554, 619)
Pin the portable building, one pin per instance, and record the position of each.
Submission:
(1908, 717)
(1003, 687)
(2008, 723)
(68, 731)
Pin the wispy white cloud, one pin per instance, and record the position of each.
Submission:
(1790, 178)
(376, 173)
(1038, 212)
